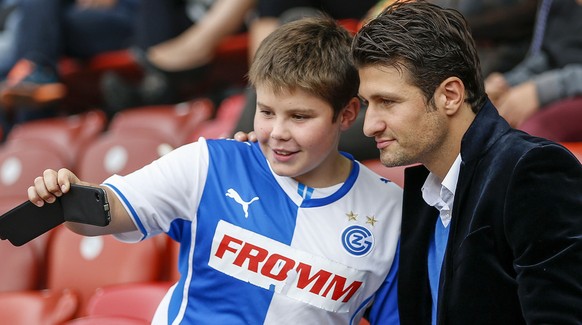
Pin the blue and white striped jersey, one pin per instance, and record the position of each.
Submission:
(260, 248)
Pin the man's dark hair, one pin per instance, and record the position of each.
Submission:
(428, 42)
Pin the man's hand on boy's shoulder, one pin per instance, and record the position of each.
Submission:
(243, 136)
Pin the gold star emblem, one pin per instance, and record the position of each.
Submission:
(371, 220)
(352, 216)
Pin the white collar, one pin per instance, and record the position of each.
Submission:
(441, 195)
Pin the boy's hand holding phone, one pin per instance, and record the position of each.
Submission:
(56, 197)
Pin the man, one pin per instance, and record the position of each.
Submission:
(47, 30)
(492, 226)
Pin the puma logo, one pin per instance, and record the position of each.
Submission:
(245, 205)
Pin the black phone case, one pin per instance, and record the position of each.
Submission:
(83, 204)
(86, 204)
(27, 221)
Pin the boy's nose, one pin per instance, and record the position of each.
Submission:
(280, 130)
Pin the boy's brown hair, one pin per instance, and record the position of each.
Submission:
(311, 54)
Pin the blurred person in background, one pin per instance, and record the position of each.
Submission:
(542, 95)
(502, 29)
(47, 31)
(175, 42)
(271, 14)
(9, 17)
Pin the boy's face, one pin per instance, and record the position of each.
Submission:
(405, 128)
(296, 134)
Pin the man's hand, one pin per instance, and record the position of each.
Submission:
(242, 136)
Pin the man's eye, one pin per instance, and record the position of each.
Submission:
(386, 102)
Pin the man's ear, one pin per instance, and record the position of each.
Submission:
(450, 95)
(349, 113)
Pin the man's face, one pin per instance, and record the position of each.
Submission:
(406, 129)
(296, 133)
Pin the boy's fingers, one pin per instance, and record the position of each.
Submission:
(49, 182)
(34, 197)
(65, 177)
(40, 191)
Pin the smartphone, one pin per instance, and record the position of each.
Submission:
(27, 221)
(83, 204)
(86, 204)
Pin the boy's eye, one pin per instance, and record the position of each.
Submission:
(266, 113)
(300, 117)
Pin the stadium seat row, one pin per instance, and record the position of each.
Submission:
(57, 274)
(62, 273)
(95, 149)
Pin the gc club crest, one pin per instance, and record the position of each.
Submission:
(357, 240)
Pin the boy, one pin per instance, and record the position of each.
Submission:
(284, 231)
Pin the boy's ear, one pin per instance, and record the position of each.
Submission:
(349, 113)
(450, 95)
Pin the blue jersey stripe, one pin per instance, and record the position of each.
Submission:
(131, 209)
(232, 166)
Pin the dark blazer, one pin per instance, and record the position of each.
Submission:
(514, 253)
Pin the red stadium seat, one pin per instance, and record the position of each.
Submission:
(231, 108)
(364, 322)
(66, 135)
(575, 148)
(227, 69)
(10, 200)
(213, 129)
(22, 267)
(173, 123)
(393, 174)
(82, 78)
(137, 300)
(37, 307)
(106, 320)
(84, 264)
(352, 25)
(19, 165)
(119, 153)
(222, 126)
(25, 266)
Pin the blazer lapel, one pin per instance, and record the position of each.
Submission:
(418, 219)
